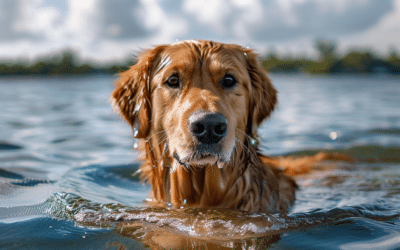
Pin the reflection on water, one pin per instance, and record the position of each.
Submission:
(205, 227)
(64, 154)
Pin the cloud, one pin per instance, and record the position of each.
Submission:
(22, 19)
(281, 20)
(381, 36)
(103, 28)
(119, 20)
(123, 19)
(91, 21)
(36, 26)
(221, 19)
(8, 11)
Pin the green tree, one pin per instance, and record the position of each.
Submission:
(67, 64)
(394, 60)
(327, 54)
(359, 62)
(326, 49)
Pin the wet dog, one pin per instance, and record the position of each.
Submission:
(196, 106)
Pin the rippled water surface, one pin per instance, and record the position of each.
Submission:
(66, 164)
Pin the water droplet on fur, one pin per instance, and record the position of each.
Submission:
(245, 54)
(137, 107)
(184, 201)
(220, 164)
(135, 129)
(253, 141)
(135, 145)
(135, 132)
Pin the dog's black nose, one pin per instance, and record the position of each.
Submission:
(208, 128)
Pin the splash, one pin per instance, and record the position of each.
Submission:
(203, 222)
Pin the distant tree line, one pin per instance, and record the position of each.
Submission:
(68, 62)
(329, 62)
(65, 63)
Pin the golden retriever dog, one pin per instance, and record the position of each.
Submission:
(195, 107)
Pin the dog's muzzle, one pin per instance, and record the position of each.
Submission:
(208, 131)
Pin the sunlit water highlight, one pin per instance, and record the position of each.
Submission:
(66, 164)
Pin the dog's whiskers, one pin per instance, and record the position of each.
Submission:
(250, 139)
(162, 131)
(235, 153)
(248, 150)
(164, 151)
(163, 139)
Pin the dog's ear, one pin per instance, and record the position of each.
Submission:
(263, 95)
(131, 97)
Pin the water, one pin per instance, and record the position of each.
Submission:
(66, 162)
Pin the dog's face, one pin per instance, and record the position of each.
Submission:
(198, 97)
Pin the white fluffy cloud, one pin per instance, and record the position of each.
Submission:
(107, 30)
(381, 36)
(224, 18)
(22, 19)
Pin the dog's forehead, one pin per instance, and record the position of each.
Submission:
(192, 51)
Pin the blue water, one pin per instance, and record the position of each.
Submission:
(66, 164)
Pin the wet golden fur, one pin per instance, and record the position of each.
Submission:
(158, 114)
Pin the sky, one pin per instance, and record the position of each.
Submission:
(111, 30)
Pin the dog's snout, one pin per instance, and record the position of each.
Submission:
(208, 128)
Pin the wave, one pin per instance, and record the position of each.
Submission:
(211, 224)
(9, 146)
(361, 153)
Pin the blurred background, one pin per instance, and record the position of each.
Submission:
(92, 36)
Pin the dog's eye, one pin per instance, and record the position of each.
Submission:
(229, 81)
(173, 82)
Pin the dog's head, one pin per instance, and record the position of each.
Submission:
(198, 97)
